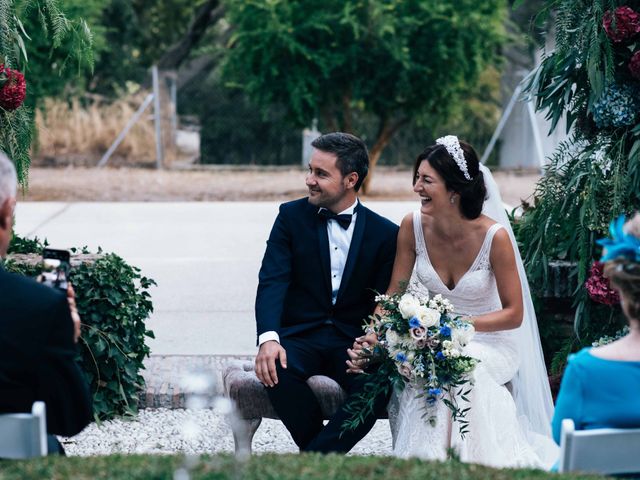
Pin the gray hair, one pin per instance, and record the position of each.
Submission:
(8, 179)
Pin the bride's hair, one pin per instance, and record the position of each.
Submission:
(624, 274)
(472, 192)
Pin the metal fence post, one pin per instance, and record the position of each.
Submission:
(157, 117)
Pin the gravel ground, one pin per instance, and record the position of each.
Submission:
(164, 431)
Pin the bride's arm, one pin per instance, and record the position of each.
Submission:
(402, 268)
(405, 256)
(503, 263)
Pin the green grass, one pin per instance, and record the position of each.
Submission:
(263, 467)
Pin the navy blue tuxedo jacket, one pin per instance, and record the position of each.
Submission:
(37, 355)
(294, 291)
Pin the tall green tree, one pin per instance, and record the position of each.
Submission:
(335, 60)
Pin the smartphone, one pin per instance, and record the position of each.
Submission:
(56, 265)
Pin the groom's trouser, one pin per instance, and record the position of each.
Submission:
(321, 351)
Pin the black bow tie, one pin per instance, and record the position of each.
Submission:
(344, 219)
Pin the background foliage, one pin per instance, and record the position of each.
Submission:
(595, 175)
(67, 40)
(113, 301)
(386, 61)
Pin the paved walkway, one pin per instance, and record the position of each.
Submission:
(205, 257)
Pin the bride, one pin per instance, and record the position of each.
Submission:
(462, 247)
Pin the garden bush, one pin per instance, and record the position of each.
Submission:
(113, 301)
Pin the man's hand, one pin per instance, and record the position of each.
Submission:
(360, 353)
(266, 362)
(75, 316)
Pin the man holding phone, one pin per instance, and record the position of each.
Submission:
(39, 327)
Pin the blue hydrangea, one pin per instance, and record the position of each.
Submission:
(435, 392)
(618, 106)
(401, 357)
(445, 331)
(440, 356)
(414, 322)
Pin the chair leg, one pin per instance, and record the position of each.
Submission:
(243, 434)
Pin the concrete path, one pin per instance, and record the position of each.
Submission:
(205, 258)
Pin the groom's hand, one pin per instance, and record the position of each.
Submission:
(266, 362)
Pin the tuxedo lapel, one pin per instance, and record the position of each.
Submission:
(354, 248)
(323, 245)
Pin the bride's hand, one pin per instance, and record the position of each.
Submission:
(360, 353)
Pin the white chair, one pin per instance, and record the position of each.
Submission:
(603, 450)
(24, 435)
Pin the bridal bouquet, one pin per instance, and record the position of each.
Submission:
(421, 344)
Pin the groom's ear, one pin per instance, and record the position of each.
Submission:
(351, 179)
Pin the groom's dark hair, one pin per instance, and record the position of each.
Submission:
(351, 153)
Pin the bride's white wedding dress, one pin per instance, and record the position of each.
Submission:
(497, 436)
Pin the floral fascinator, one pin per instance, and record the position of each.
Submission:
(624, 241)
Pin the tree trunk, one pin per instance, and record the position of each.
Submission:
(385, 133)
(347, 116)
(208, 14)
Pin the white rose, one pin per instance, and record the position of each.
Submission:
(408, 306)
(462, 336)
(453, 353)
(405, 370)
(392, 338)
(428, 317)
(447, 345)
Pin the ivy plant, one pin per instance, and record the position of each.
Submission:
(113, 302)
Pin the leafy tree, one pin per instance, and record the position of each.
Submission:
(398, 60)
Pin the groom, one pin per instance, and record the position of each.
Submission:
(326, 256)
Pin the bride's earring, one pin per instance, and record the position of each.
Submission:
(452, 199)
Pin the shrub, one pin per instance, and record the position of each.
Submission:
(114, 302)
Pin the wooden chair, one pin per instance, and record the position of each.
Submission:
(604, 450)
(24, 435)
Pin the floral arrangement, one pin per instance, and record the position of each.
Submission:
(617, 107)
(421, 344)
(599, 288)
(13, 88)
(626, 21)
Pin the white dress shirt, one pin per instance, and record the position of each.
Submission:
(339, 242)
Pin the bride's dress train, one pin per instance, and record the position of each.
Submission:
(497, 436)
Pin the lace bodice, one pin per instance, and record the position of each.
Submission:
(476, 292)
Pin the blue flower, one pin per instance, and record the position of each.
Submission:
(620, 244)
(445, 331)
(440, 356)
(617, 106)
(414, 322)
(435, 392)
(401, 357)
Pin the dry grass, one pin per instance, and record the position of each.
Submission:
(73, 132)
(135, 184)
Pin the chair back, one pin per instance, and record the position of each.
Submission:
(24, 435)
(603, 450)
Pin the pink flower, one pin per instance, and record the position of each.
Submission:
(634, 65)
(627, 24)
(598, 286)
(418, 333)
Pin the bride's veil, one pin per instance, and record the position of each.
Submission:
(530, 386)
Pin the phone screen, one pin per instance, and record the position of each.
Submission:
(56, 265)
